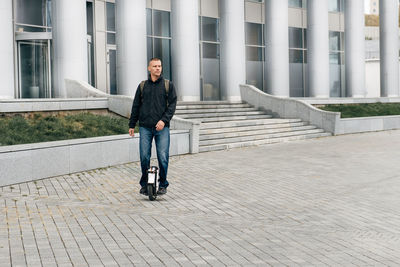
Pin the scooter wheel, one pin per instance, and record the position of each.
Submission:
(151, 192)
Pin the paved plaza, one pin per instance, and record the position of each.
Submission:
(332, 201)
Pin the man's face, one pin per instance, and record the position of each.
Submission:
(155, 68)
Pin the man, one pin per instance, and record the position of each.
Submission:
(154, 105)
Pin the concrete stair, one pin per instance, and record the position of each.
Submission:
(227, 125)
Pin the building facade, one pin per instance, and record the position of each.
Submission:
(290, 48)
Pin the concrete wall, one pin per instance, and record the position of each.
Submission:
(290, 108)
(21, 163)
(368, 124)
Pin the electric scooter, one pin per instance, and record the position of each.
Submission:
(152, 182)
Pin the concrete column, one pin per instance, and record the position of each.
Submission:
(6, 50)
(69, 43)
(185, 49)
(318, 47)
(131, 45)
(389, 53)
(355, 48)
(277, 47)
(233, 57)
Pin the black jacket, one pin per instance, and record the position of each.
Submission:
(152, 106)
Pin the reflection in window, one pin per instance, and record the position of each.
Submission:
(297, 61)
(110, 17)
(336, 67)
(254, 34)
(158, 28)
(110, 12)
(161, 22)
(295, 56)
(162, 50)
(209, 29)
(336, 5)
(295, 37)
(32, 15)
(334, 41)
(255, 54)
(296, 3)
(210, 62)
(210, 50)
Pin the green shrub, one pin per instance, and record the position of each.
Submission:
(364, 110)
(39, 128)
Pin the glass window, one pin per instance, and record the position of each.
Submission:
(295, 38)
(31, 12)
(254, 34)
(161, 23)
(254, 53)
(334, 41)
(36, 13)
(334, 58)
(210, 50)
(296, 79)
(111, 38)
(149, 48)
(295, 3)
(162, 50)
(334, 5)
(110, 17)
(209, 29)
(149, 30)
(211, 82)
(295, 56)
(113, 71)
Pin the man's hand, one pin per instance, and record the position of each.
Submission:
(131, 131)
(160, 125)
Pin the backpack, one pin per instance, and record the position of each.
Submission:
(166, 84)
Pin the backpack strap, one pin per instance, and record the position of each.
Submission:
(142, 86)
(142, 83)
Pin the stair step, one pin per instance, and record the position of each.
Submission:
(257, 137)
(249, 122)
(252, 127)
(235, 118)
(204, 137)
(209, 106)
(211, 102)
(221, 115)
(261, 142)
(214, 110)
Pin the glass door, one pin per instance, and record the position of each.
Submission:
(34, 69)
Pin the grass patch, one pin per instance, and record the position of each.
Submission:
(40, 128)
(364, 110)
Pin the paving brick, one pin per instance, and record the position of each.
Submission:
(323, 202)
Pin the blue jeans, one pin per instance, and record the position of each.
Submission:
(162, 146)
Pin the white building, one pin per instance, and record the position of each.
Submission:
(208, 47)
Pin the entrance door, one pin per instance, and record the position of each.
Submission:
(34, 69)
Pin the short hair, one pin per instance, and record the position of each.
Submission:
(154, 59)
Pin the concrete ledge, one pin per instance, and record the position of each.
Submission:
(368, 124)
(347, 100)
(290, 108)
(21, 163)
(53, 104)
